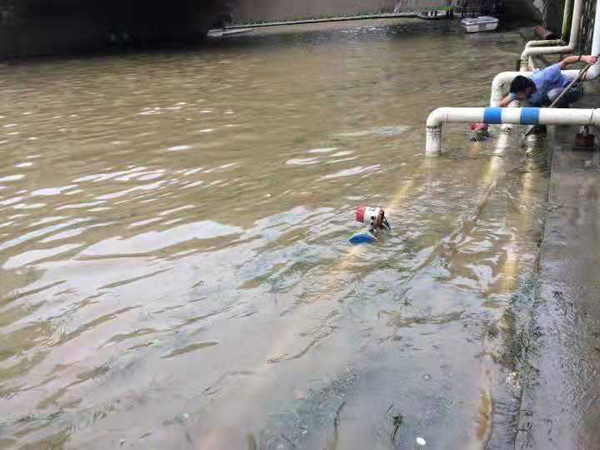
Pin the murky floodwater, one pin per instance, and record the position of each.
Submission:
(175, 270)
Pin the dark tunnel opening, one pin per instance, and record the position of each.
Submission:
(38, 27)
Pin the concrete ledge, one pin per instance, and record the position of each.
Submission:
(560, 407)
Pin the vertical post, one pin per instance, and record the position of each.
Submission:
(596, 35)
(433, 143)
(566, 23)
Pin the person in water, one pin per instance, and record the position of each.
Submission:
(539, 90)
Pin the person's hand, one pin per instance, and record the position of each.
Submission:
(478, 126)
(479, 131)
(589, 59)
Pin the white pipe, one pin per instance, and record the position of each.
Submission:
(523, 116)
(569, 48)
(594, 71)
(531, 44)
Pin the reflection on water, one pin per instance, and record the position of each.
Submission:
(173, 252)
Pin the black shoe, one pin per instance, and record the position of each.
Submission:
(539, 129)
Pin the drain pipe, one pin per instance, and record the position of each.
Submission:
(566, 26)
(532, 50)
(495, 115)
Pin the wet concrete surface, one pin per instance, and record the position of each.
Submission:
(560, 407)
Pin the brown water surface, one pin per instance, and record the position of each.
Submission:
(175, 271)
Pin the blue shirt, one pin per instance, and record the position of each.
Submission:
(545, 80)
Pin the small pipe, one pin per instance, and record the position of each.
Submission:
(400, 15)
(495, 115)
(549, 43)
(566, 22)
(562, 49)
(544, 33)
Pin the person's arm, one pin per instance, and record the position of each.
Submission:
(573, 59)
(506, 101)
(503, 104)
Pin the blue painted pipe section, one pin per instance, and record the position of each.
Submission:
(530, 116)
(492, 115)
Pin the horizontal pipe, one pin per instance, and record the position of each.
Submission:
(403, 15)
(535, 51)
(518, 116)
(495, 115)
(549, 43)
(532, 50)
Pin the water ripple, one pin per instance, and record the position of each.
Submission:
(174, 240)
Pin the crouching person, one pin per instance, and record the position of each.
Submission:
(544, 86)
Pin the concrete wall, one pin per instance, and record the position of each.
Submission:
(550, 12)
(522, 9)
(272, 10)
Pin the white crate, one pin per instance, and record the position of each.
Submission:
(482, 23)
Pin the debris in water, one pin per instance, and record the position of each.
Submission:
(512, 380)
(398, 419)
(376, 221)
(421, 441)
(364, 237)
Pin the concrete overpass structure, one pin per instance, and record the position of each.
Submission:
(41, 27)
